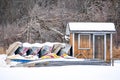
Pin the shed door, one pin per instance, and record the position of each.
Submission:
(99, 47)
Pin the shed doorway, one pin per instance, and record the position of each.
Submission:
(99, 47)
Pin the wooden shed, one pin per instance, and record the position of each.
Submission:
(91, 40)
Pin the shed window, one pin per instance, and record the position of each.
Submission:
(84, 41)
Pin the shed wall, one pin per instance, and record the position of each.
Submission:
(88, 53)
(81, 53)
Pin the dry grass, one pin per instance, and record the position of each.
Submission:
(116, 52)
(2, 50)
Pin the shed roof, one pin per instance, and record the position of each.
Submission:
(90, 27)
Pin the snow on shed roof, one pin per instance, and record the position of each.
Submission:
(91, 27)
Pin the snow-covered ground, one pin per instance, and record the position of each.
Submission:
(62, 73)
(117, 63)
(71, 72)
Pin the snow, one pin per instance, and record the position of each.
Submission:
(61, 73)
(2, 60)
(26, 44)
(91, 26)
(72, 72)
(117, 63)
(36, 45)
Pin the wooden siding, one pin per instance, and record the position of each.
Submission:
(84, 41)
(84, 53)
(88, 53)
(108, 47)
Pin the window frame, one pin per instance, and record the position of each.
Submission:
(79, 41)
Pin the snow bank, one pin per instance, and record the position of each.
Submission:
(2, 60)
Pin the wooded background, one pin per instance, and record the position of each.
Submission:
(45, 20)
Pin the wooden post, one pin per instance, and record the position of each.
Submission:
(112, 62)
(93, 46)
(111, 50)
(105, 47)
(73, 44)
